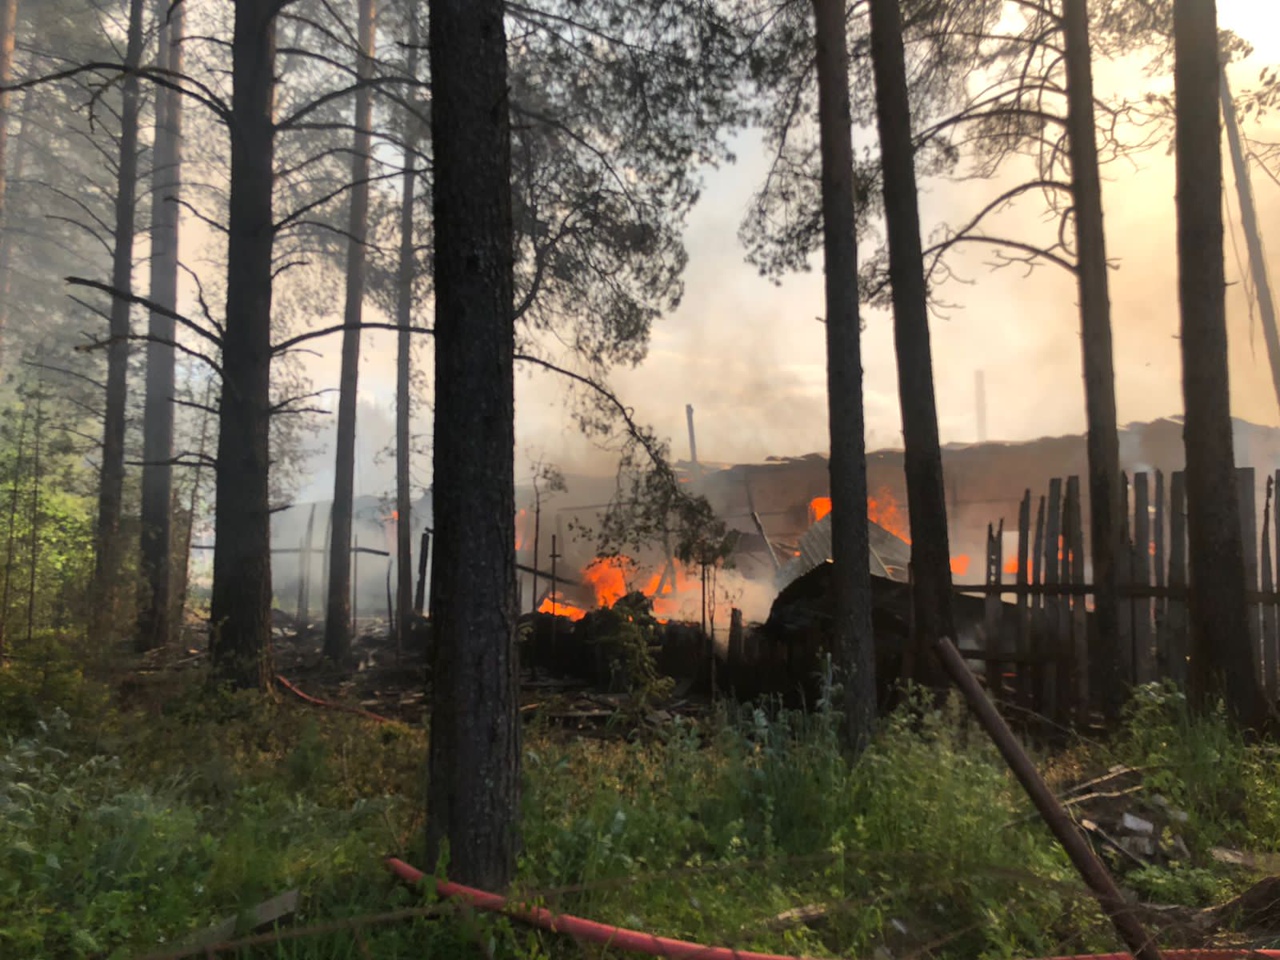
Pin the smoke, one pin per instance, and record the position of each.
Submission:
(750, 355)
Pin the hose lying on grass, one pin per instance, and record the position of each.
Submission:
(317, 702)
(635, 941)
(617, 937)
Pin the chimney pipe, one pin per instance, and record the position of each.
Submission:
(693, 440)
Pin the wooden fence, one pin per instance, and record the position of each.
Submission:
(1041, 648)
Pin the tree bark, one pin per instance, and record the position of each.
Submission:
(1103, 439)
(1221, 655)
(241, 602)
(473, 797)
(108, 553)
(922, 458)
(8, 35)
(155, 622)
(404, 317)
(854, 649)
(337, 621)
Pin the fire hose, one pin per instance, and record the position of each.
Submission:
(635, 941)
(590, 931)
(317, 702)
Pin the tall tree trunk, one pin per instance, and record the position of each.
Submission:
(854, 649)
(1222, 661)
(22, 149)
(1105, 507)
(337, 621)
(473, 797)
(241, 602)
(8, 34)
(109, 552)
(155, 622)
(926, 492)
(404, 317)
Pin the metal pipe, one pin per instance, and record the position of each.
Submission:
(693, 440)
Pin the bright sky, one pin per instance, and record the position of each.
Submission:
(750, 356)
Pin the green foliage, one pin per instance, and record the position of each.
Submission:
(46, 523)
(1200, 764)
(120, 833)
(628, 633)
(710, 832)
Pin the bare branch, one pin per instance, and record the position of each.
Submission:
(150, 304)
(292, 342)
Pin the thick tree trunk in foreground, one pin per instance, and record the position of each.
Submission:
(473, 799)
(337, 619)
(926, 492)
(156, 608)
(241, 602)
(8, 34)
(1105, 508)
(1222, 661)
(854, 649)
(404, 317)
(109, 551)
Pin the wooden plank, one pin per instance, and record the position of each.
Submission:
(1247, 490)
(994, 609)
(1275, 513)
(1143, 658)
(1037, 647)
(1023, 639)
(263, 915)
(1158, 569)
(1176, 612)
(1079, 607)
(1065, 652)
(1052, 604)
(1269, 644)
(1129, 591)
(1124, 578)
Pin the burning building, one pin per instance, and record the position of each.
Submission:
(778, 510)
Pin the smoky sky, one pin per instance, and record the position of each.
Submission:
(750, 355)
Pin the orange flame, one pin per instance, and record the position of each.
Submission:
(554, 605)
(1011, 566)
(607, 576)
(882, 509)
(676, 594)
(960, 565)
(521, 517)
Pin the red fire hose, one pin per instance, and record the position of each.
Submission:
(316, 701)
(635, 941)
(630, 940)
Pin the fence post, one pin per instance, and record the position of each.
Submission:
(1144, 665)
(1157, 565)
(1079, 603)
(993, 610)
(1052, 603)
(1023, 642)
(1038, 657)
(1268, 608)
(1177, 610)
(1246, 486)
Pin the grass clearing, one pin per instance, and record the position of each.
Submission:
(122, 833)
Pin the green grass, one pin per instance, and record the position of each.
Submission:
(122, 833)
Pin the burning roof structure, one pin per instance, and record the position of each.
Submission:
(778, 510)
